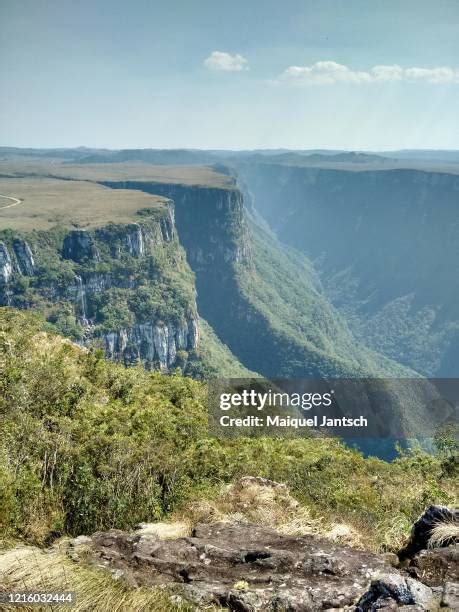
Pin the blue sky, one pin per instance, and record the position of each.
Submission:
(342, 74)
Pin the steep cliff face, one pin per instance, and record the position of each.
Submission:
(385, 244)
(264, 301)
(24, 257)
(78, 246)
(210, 221)
(6, 268)
(150, 342)
(124, 286)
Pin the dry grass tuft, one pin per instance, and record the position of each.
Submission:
(344, 535)
(165, 531)
(270, 504)
(260, 501)
(391, 536)
(444, 532)
(26, 568)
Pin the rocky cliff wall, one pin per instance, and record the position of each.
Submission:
(225, 250)
(213, 227)
(126, 287)
(211, 221)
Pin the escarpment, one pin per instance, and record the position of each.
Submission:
(214, 229)
(263, 300)
(149, 341)
(211, 222)
(24, 257)
(78, 246)
(125, 287)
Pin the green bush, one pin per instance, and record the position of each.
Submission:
(87, 445)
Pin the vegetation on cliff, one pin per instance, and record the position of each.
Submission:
(384, 243)
(310, 336)
(95, 277)
(262, 299)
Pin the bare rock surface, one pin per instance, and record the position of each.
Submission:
(394, 591)
(437, 566)
(246, 567)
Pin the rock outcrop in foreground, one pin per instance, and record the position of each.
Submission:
(245, 567)
(238, 557)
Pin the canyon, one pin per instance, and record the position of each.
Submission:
(287, 271)
(384, 242)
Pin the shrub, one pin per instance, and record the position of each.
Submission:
(87, 445)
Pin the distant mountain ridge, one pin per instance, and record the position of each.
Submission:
(188, 156)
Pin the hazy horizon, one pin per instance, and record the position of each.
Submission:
(223, 149)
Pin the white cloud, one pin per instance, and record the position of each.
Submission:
(328, 73)
(387, 73)
(324, 73)
(225, 62)
(433, 75)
